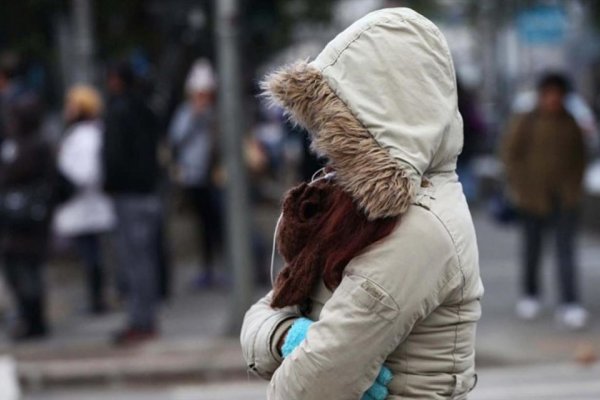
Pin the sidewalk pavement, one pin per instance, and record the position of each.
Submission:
(193, 349)
(556, 382)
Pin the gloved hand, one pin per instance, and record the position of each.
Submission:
(379, 390)
(297, 333)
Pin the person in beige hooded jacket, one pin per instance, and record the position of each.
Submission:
(380, 103)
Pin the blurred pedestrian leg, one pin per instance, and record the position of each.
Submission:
(138, 225)
(533, 229)
(209, 222)
(163, 256)
(565, 223)
(24, 275)
(566, 235)
(89, 248)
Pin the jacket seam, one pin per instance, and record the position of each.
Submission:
(380, 287)
(357, 36)
(462, 289)
(279, 319)
(377, 23)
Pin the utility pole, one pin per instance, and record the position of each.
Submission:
(488, 30)
(83, 42)
(230, 95)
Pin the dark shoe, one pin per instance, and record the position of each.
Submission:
(134, 336)
(33, 325)
(23, 333)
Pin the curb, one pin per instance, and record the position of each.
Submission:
(152, 364)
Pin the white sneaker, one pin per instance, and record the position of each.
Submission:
(528, 308)
(572, 316)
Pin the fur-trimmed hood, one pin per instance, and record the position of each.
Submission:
(380, 103)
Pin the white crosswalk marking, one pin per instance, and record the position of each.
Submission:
(9, 387)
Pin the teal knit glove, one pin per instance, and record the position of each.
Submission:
(379, 390)
(297, 333)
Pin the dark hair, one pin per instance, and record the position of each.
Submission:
(123, 71)
(322, 229)
(554, 80)
(347, 232)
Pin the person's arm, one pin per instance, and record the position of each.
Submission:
(384, 293)
(112, 142)
(79, 157)
(513, 151)
(579, 152)
(263, 331)
(180, 126)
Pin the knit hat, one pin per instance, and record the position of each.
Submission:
(201, 77)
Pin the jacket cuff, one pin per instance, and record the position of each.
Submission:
(278, 333)
(264, 358)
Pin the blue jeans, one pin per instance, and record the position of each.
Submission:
(138, 221)
(90, 251)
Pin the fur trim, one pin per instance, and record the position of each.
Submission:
(378, 182)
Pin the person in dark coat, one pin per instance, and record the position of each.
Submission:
(10, 88)
(474, 135)
(26, 167)
(131, 172)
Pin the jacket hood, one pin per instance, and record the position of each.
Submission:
(380, 103)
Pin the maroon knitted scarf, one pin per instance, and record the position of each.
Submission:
(320, 232)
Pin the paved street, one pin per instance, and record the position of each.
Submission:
(227, 391)
(561, 382)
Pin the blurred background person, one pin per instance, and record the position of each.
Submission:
(26, 175)
(526, 101)
(474, 137)
(545, 158)
(192, 138)
(10, 88)
(88, 212)
(131, 173)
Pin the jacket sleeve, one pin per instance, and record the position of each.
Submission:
(383, 294)
(513, 150)
(262, 329)
(579, 152)
(79, 158)
(112, 144)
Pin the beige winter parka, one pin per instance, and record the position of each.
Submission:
(380, 103)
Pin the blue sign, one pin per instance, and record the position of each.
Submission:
(544, 25)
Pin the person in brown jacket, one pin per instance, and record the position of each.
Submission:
(544, 155)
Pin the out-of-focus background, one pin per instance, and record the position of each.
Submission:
(140, 122)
